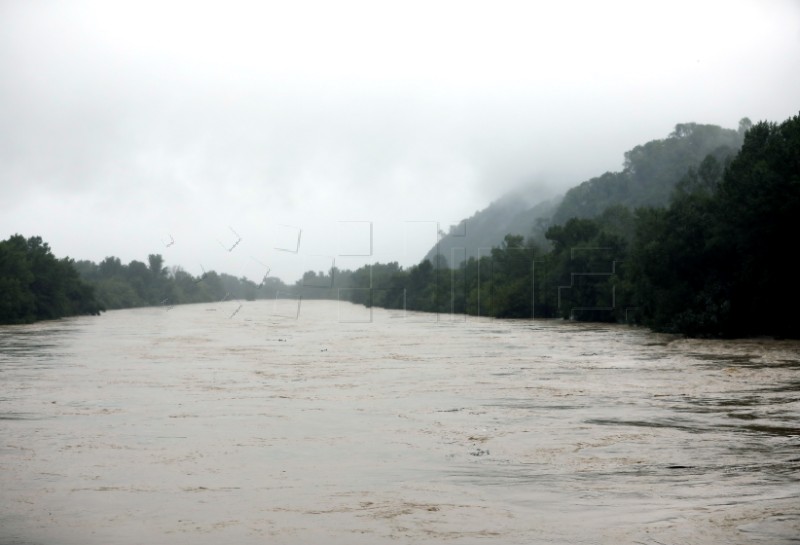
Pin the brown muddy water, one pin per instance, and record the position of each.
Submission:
(208, 424)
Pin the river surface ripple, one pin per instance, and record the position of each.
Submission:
(272, 423)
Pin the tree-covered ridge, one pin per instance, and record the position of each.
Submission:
(513, 213)
(649, 175)
(651, 171)
(35, 285)
(714, 262)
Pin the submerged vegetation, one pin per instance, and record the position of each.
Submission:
(694, 236)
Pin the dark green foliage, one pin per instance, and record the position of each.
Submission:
(498, 284)
(671, 270)
(649, 176)
(717, 261)
(511, 280)
(758, 209)
(713, 258)
(585, 267)
(650, 172)
(34, 285)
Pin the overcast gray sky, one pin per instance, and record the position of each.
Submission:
(126, 125)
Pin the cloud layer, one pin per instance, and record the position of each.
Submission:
(124, 123)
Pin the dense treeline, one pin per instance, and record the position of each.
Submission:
(138, 284)
(718, 261)
(34, 285)
(714, 262)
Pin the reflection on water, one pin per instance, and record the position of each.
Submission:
(262, 426)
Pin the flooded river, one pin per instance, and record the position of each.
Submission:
(328, 423)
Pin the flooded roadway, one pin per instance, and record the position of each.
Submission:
(339, 425)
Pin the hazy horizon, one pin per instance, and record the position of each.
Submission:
(357, 128)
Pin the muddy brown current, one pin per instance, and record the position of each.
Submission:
(202, 424)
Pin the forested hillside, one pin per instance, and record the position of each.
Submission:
(713, 262)
(518, 212)
(650, 173)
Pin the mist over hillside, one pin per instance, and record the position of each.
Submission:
(523, 210)
(649, 176)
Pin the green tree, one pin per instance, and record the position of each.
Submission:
(758, 207)
(17, 303)
(36, 286)
(715, 262)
